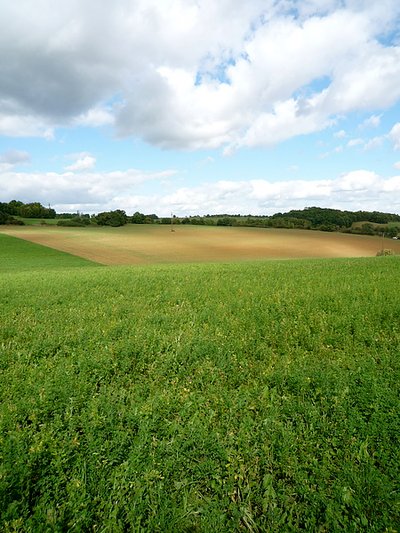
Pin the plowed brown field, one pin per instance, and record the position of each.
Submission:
(145, 244)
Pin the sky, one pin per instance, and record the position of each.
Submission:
(197, 107)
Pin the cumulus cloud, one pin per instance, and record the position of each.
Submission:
(195, 73)
(357, 190)
(83, 161)
(17, 122)
(83, 190)
(96, 116)
(129, 190)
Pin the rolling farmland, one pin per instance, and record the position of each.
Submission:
(149, 244)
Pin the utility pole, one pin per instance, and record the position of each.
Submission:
(172, 222)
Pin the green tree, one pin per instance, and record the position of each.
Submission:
(224, 221)
(138, 218)
(392, 231)
(112, 218)
(14, 207)
(35, 210)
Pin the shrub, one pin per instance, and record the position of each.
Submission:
(386, 251)
(5, 218)
(74, 222)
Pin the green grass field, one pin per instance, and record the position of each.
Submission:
(19, 255)
(215, 397)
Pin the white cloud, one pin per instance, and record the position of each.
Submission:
(15, 122)
(397, 165)
(373, 143)
(355, 142)
(394, 136)
(357, 190)
(131, 190)
(392, 185)
(372, 122)
(195, 73)
(94, 117)
(101, 191)
(340, 134)
(83, 161)
(357, 181)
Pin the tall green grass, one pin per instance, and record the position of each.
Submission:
(252, 397)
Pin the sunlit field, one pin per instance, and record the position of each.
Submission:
(149, 244)
(17, 255)
(256, 396)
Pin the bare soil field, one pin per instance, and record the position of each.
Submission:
(146, 244)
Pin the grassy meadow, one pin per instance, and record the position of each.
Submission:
(254, 396)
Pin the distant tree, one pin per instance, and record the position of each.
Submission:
(14, 207)
(199, 221)
(224, 221)
(112, 218)
(138, 218)
(35, 210)
(367, 229)
(318, 216)
(392, 231)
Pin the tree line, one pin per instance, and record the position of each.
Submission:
(15, 211)
(16, 208)
(312, 218)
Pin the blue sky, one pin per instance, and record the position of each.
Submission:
(197, 107)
